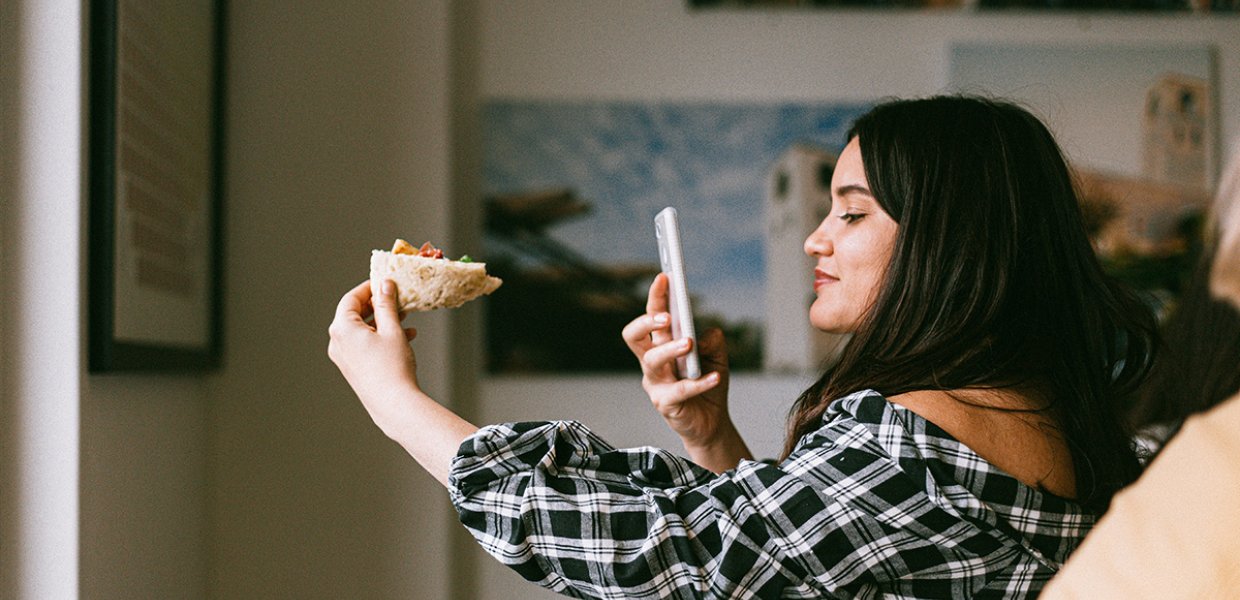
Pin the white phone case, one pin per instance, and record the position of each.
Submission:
(671, 260)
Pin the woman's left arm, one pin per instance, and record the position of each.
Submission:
(380, 366)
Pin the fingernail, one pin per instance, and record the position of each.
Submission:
(660, 319)
(713, 377)
(388, 288)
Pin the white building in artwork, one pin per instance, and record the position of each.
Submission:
(1177, 129)
(798, 198)
(1145, 212)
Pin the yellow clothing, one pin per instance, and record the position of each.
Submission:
(1175, 533)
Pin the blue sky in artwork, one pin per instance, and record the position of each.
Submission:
(629, 160)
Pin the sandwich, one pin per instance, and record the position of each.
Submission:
(426, 280)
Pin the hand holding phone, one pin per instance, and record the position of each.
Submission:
(671, 260)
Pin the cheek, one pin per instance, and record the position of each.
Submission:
(879, 250)
(868, 271)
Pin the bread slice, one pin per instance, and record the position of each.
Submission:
(424, 283)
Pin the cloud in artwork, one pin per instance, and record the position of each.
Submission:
(629, 160)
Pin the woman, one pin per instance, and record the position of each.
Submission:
(962, 446)
(1173, 533)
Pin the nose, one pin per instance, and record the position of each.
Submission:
(819, 242)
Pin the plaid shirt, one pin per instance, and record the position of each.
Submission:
(878, 502)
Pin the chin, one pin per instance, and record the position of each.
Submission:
(834, 330)
(832, 325)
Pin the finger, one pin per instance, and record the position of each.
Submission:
(656, 299)
(688, 388)
(355, 303)
(684, 389)
(663, 355)
(637, 333)
(387, 319)
(656, 303)
(713, 349)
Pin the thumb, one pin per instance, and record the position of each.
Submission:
(387, 319)
(714, 350)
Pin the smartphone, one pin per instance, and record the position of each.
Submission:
(671, 260)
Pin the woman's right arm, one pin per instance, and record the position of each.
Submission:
(376, 360)
(696, 409)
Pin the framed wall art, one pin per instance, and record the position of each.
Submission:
(1139, 124)
(1195, 7)
(571, 191)
(155, 185)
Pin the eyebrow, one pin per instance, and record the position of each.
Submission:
(845, 190)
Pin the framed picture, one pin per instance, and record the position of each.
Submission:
(1229, 7)
(571, 190)
(155, 149)
(1139, 125)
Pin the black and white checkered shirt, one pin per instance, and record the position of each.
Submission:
(878, 502)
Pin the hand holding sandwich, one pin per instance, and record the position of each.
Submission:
(378, 363)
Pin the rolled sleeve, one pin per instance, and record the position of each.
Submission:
(570, 512)
(856, 511)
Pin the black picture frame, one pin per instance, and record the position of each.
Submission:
(156, 139)
(1196, 7)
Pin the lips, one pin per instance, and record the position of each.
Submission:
(822, 278)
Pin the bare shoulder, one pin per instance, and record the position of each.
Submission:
(1010, 429)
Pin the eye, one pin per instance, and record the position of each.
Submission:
(852, 217)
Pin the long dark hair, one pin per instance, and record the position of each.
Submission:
(992, 283)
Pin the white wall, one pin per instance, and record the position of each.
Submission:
(102, 476)
(265, 480)
(143, 458)
(339, 118)
(636, 50)
(40, 388)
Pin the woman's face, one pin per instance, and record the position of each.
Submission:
(852, 247)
